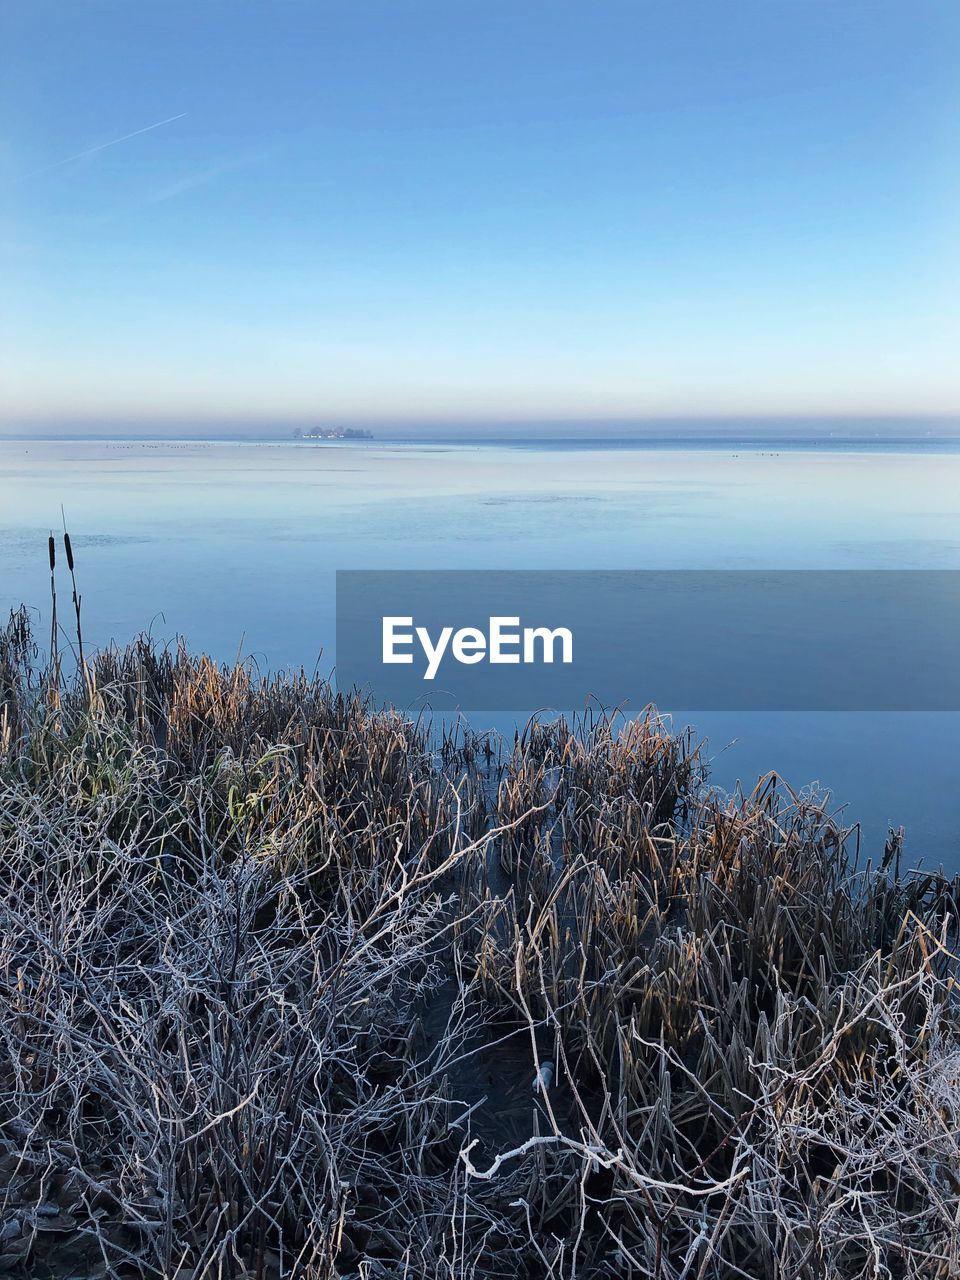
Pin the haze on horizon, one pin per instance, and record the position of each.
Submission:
(498, 212)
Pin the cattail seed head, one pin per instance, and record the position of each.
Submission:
(52, 549)
(69, 550)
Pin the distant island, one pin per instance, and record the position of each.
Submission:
(332, 433)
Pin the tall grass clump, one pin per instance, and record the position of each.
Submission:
(291, 986)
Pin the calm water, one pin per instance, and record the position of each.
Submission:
(235, 547)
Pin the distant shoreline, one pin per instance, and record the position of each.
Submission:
(698, 443)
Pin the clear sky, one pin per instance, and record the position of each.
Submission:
(369, 210)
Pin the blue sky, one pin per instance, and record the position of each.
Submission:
(459, 211)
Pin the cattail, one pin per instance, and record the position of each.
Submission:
(52, 549)
(69, 551)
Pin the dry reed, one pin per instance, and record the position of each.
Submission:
(290, 986)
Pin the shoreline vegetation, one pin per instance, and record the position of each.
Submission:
(290, 986)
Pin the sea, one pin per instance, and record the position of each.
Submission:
(233, 546)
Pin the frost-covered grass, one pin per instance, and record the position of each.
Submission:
(287, 988)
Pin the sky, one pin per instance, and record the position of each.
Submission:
(477, 211)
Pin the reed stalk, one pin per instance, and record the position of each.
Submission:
(293, 987)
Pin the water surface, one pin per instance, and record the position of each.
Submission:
(234, 546)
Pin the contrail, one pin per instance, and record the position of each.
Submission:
(92, 151)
